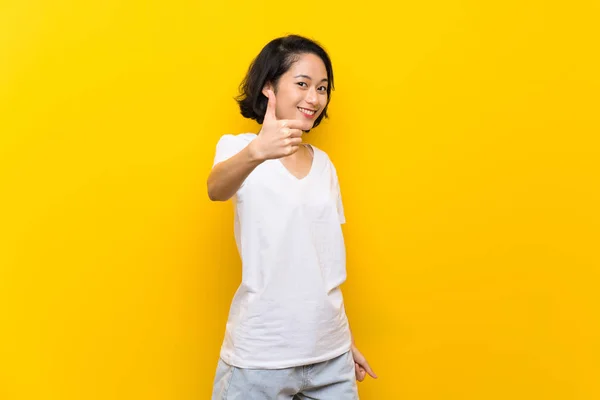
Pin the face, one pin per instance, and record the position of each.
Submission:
(301, 92)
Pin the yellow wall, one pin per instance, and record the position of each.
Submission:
(465, 135)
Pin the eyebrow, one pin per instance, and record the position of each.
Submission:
(308, 77)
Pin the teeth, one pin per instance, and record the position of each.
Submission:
(309, 112)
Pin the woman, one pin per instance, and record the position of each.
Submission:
(287, 335)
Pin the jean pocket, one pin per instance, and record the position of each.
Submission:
(223, 378)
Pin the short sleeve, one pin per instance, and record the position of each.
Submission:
(338, 194)
(228, 146)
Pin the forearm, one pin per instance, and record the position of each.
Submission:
(226, 177)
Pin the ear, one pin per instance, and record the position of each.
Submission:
(268, 86)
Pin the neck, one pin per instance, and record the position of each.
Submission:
(302, 153)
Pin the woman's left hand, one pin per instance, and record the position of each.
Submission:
(361, 366)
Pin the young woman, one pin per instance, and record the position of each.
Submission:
(287, 335)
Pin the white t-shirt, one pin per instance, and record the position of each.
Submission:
(288, 310)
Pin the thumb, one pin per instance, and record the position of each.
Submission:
(270, 112)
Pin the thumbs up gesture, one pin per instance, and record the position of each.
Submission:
(278, 137)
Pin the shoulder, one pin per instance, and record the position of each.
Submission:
(229, 145)
(324, 156)
(242, 138)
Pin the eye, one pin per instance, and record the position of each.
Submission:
(323, 88)
(301, 84)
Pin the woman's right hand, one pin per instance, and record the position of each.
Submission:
(277, 138)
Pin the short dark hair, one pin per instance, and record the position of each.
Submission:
(274, 60)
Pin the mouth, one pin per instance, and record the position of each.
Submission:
(308, 113)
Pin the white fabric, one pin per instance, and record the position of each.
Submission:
(288, 310)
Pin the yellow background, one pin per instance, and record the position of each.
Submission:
(465, 135)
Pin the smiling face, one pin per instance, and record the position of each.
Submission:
(301, 92)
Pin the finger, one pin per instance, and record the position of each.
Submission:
(367, 368)
(295, 141)
(364, 365)
(270, 112)
(292, 149)
(359, 375)
(298, 124)
(291, 133)
(295, 133)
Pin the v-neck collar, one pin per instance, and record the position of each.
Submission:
(310, 171)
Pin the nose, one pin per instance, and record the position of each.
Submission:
(311, 96)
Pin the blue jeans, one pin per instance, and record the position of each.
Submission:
(328, 380)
